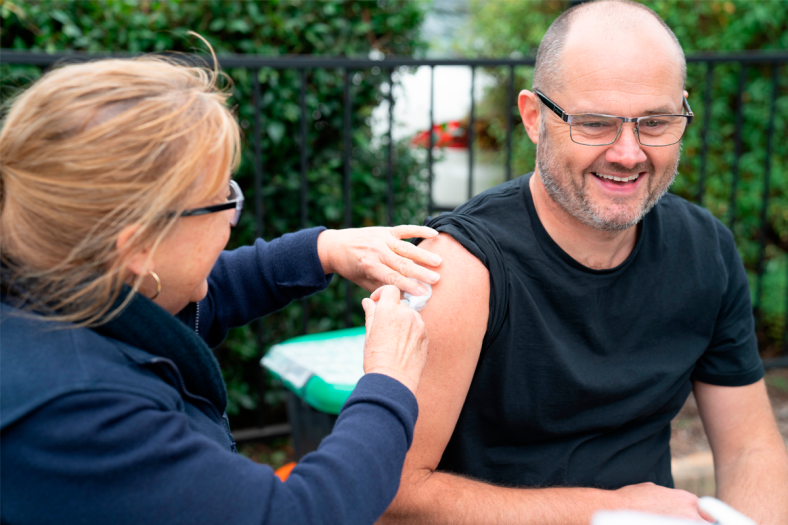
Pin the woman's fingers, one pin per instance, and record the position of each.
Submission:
(407, 268)
(389, 296)
(376, 294)
(396, 341)
(369, 312)
(411, 251)
(409, 231)
(414, 253)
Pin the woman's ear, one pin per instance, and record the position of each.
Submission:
(141, 262)
(530, 114)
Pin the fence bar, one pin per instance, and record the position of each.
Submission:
(430, 205)
(509, 123)
(737, 146)
(705, 131)
(470, 133)
(346, 131)
(304, 188)
(390, 157)
(767, 170)
(309, 62)
(304, 153)
(262, 409)
(258, 156)
(252, 435)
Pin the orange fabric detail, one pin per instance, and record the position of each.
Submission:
(284, 471)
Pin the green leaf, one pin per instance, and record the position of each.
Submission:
(217, 25)
(276, 131)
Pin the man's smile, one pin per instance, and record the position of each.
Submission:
(620, 178)
(619, 184)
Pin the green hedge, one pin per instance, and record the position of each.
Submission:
(266, 28)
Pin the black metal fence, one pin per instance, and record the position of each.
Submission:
(775, 61)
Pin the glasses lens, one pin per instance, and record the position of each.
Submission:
(594, 130)
(661, 130)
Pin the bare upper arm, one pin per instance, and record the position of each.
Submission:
(736, 418)
(456, 321)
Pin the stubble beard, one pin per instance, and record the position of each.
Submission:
(572, 195)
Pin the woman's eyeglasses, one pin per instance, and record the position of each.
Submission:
(235, 200)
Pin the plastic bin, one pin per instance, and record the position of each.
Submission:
(320, 372)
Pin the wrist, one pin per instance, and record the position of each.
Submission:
(324, 249)
(610, 499)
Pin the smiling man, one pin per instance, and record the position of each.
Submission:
(580, 305)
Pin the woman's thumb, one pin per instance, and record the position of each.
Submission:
(369, 312)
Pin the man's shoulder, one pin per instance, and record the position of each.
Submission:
(490, 202)
(488, 219)
(677, 215)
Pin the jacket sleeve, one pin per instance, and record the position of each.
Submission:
(253, 281)
(112, 457)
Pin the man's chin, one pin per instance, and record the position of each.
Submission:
(614, 217)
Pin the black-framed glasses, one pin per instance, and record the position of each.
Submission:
(235, 200)
(590, 129)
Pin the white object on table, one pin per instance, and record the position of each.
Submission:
(722, 512)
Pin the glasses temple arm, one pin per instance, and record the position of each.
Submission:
(552, 106)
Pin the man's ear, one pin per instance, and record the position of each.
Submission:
(141, 262)
(530, 113)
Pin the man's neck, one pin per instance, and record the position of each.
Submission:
(593, 248)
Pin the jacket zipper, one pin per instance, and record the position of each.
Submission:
(186, 393)
(224, 416)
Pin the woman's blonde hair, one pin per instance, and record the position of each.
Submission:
(92, 148)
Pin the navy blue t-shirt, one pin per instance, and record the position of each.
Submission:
(582, 370)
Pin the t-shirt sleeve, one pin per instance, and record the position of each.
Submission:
(114, 457)
(732, 356)
(474, 236)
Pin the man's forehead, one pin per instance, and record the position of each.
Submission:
(630, 65)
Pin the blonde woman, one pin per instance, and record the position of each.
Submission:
(117, 203)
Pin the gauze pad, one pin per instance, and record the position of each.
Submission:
(418, 302)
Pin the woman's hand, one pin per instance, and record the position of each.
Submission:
(373, 257)
(396, 343)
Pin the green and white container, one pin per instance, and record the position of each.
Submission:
(319, 371)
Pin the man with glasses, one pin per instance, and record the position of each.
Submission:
(580, 305)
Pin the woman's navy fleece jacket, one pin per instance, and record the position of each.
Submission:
(98, 431)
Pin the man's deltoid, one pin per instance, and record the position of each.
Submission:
(579, 306)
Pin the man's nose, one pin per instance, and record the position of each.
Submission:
(626, 150)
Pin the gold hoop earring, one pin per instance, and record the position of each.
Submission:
(158, 284)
